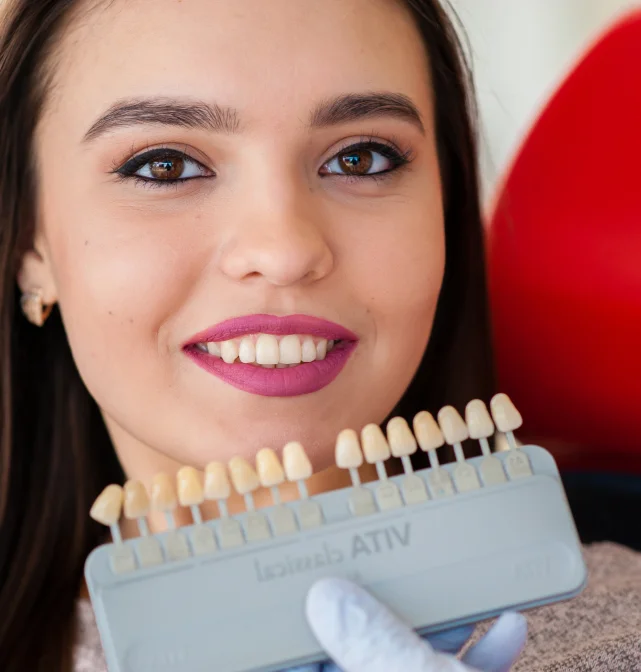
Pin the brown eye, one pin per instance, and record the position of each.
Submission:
(357, 162)
(366, 160)
(164, 167)
(170, 168)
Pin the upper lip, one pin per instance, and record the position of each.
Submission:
(272, 324)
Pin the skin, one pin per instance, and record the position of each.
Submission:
(137, 271)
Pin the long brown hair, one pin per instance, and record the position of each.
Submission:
(55, 454)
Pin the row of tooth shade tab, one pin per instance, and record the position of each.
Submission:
(191, 488)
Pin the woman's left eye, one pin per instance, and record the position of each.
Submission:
(365, 160)
(163, 166)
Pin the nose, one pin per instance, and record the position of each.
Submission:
(279, 238)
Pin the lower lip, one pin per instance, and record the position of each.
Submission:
(290, 382)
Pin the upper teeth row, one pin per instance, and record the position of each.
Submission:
(269, 350)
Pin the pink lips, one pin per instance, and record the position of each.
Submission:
(302, 379)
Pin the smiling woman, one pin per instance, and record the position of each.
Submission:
(256, 222)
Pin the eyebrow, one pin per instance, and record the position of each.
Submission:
(226, 120)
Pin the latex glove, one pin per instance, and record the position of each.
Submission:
(362, 635)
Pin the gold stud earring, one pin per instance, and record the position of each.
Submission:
(34, 308)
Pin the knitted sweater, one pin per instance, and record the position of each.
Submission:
(599, 631)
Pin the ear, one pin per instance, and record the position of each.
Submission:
(36, 273)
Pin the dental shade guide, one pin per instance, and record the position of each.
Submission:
(350, 456)
(218, 489)
(402, 445)
(298, 469)
(164, 500)
(136, 507)
(507, 419)
(245, 481)
(429, 438)
(107, 510)
(451, 544)
(377, 451)
(271, 474)
(481, 428)
(455, 432)
(191, 494)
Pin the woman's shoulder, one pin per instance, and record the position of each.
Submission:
(600, 630)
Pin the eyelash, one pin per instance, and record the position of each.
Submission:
(128, 170)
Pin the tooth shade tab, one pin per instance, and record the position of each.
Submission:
(296, 463)
(400, 438)
(136, 504)
(375, 446)
(452, 425)
(217, 485)
(348, 450)
(427, 432)
(479, 422)
(268, 466)
(108, 506)
(190, 487)
(163, 495)
(506, 417)
(243, 476)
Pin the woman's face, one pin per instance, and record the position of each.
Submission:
(206, 160)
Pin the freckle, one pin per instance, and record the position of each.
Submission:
(111, 312)
(86, 243)
(131, 320)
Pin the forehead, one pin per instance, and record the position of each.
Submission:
(276, 57)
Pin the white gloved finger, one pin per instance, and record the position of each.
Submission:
(501, 645)
(362, 635)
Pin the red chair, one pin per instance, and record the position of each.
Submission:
(565, 265)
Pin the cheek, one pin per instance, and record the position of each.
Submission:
(400, 269)
(118, 286)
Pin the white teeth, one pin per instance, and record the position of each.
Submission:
(267, 351)
(308, 350)
(290, 350)
(228, 351)
(247, 351)
(270, 351)
(321, 349)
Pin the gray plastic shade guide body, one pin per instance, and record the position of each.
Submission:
(441, 560)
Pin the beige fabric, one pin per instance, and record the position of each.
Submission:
(599, 631)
